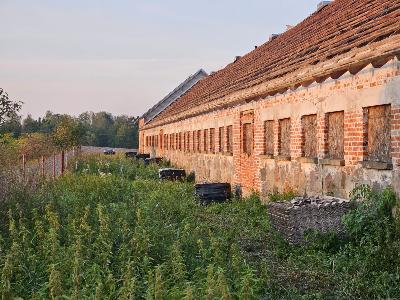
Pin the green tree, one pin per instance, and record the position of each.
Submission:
(102, 124)
(7, 107)
(9, 149)
(125, 132)
(35, 145)
(30, 125)
(67, 134)
(50, 121)
(12, 125)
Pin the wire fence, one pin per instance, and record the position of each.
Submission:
(29, 173)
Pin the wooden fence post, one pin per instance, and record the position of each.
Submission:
(62, 162)
(54, 166)
(23, 166)
(66, 159)
(42, 166)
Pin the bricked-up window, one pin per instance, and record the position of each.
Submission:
(309, 132)
(335, 143)
(198, 140)
(221, 139)
(212, 140)
(194, 140)
(269, 137)
(166, 142)
(284, 137)
(229, 139)
(180, 141)
(248, 138)
(205, 140)
(174, 141)
(185, 144)
(378, 133)
(188, 141)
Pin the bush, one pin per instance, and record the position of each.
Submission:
(286, 196)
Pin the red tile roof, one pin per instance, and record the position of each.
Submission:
(327, 33)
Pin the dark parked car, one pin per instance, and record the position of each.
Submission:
(109, 152)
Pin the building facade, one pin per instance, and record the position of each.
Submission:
(316, 110)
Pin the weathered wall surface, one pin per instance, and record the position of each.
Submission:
(350, 94)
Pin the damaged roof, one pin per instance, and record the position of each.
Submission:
(329, 32)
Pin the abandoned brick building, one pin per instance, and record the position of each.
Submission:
(315, 109)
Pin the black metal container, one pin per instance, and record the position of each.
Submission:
(155, 160)
(172, 174)
(130, 154)
(213, 192)
(142, 156)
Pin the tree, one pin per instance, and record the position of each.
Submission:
(7, 106)
(50, 121)
(35, 145)
(12, 125)
(8, 151)
(124, 134)
(68, 133)
(30, 125)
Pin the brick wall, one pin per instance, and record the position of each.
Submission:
(341, 151)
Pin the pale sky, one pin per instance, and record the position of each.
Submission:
(122, 56)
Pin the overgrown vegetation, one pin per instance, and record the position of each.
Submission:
(113, 231)
(117, 165)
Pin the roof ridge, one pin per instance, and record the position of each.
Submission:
(327, 33)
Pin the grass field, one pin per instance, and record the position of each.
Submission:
(112, 230)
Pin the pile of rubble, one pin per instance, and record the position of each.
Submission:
(294, 218)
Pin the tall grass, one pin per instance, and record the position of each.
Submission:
(103, 233)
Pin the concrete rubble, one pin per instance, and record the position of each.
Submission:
(321, 213)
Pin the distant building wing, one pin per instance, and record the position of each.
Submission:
(180, 90)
